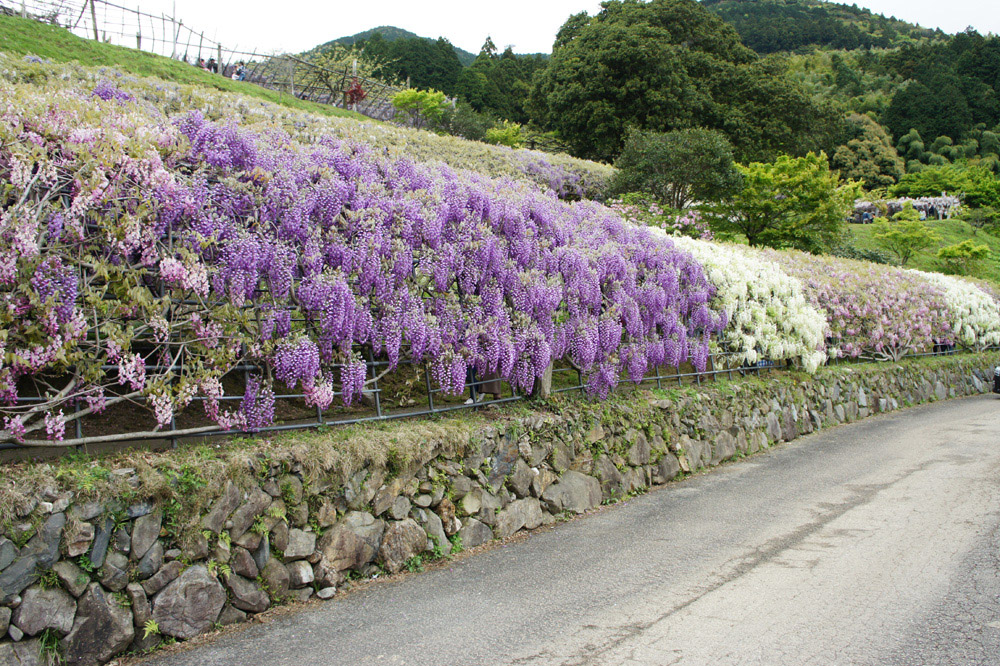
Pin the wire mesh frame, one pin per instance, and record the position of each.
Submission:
(169, 37)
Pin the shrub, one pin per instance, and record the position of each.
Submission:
(466, 122)
(963, 258)
(905, 235)
(505, 134)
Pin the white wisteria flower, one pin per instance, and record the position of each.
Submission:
(974, 315)
(769, 316)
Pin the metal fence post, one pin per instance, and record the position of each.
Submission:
(375, 389)
(430, 393)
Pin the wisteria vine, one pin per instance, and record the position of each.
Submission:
(145, 257)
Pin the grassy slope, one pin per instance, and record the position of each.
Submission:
(26, 37)
(951, 232)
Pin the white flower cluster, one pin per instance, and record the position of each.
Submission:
(769, 316)
(974, 314)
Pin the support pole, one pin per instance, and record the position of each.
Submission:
(177, 34)
(93, 17)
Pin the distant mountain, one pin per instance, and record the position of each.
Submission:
(390, 34)
(769, 26)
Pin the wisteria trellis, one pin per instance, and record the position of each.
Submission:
(146, 250)
(141, 241)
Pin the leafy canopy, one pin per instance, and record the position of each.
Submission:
(769, 26)
(977, 185)
(952, 86)
(678, 167)
(423, 106)
(792, 202)
(499, 84)
(505, 134)
(963, 258)
(869, 155)
(664, 65)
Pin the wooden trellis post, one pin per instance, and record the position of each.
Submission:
(93, 17)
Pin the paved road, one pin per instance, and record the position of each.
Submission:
(873, 544)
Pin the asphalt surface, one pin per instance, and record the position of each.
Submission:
(874, 543)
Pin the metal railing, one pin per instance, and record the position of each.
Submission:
(383, 399)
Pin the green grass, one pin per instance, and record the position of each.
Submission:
(21, 37)
(951, 232)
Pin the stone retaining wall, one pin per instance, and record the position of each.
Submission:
(93, 579)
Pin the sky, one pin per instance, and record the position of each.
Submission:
(528, 25)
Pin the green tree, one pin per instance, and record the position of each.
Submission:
(489, 49)
(678, 167)
(982, 188)
(466, 122)
(869, 156)
(905, 235)
(989, 143)
(424, 107)
(769, 26)
(473, 87)
(664, 65)
(499, 85)
(933, 109)
(505, 134)
(931, 181)
(963, 258)
(424, 62)
(911, 146)
(792, 202)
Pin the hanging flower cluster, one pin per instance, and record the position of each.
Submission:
(146, 256)
(973, 314)
(872, 311)
(769, 316)
(153, 238)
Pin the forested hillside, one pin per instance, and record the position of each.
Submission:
(391, 33)
(897, 109)
(770, 26)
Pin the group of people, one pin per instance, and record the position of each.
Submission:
(934, 208)
(237, 72)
